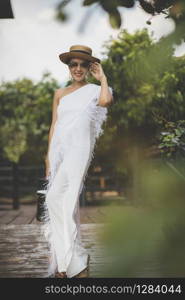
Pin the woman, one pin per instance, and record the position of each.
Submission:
(78, 113)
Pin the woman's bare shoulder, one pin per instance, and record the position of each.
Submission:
(59, 92)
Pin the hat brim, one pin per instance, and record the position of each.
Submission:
(64, 57)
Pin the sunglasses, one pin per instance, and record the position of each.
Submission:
(75, 64)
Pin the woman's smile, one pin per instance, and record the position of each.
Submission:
(78, 74)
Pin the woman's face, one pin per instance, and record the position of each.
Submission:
(78, 68)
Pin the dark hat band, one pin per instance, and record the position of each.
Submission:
(85, 52)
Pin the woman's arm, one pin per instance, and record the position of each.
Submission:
(105, 97)
(55, 103)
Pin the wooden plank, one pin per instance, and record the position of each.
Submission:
(34, 221)
(90, 214)
(27, 215)
(24, 215)
(3, 213)
(24, 252)
(10, 216)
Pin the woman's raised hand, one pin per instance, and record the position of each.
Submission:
(96, 70)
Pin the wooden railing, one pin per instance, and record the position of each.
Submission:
(17, 181)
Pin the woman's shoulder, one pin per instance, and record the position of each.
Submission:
(59, 91)
(57, 95)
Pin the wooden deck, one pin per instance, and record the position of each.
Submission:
(23, 250)
(27, 214)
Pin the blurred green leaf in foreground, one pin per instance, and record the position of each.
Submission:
(147, 240)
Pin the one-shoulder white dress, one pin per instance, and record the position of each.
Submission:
(78, 125)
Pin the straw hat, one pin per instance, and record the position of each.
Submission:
(78, 51)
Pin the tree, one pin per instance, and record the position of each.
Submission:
(26, 112)
(148, 84)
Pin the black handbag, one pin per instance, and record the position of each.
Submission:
(42, 214)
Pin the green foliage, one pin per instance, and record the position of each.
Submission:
(61, 14)
(172, 141)
(89, 2)
(174, 9)
(142, 240)
(13, 136)
(115, 18)
(26, 116)
(144, 85)
(148, 84)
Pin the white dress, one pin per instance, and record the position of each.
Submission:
(79, 124)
